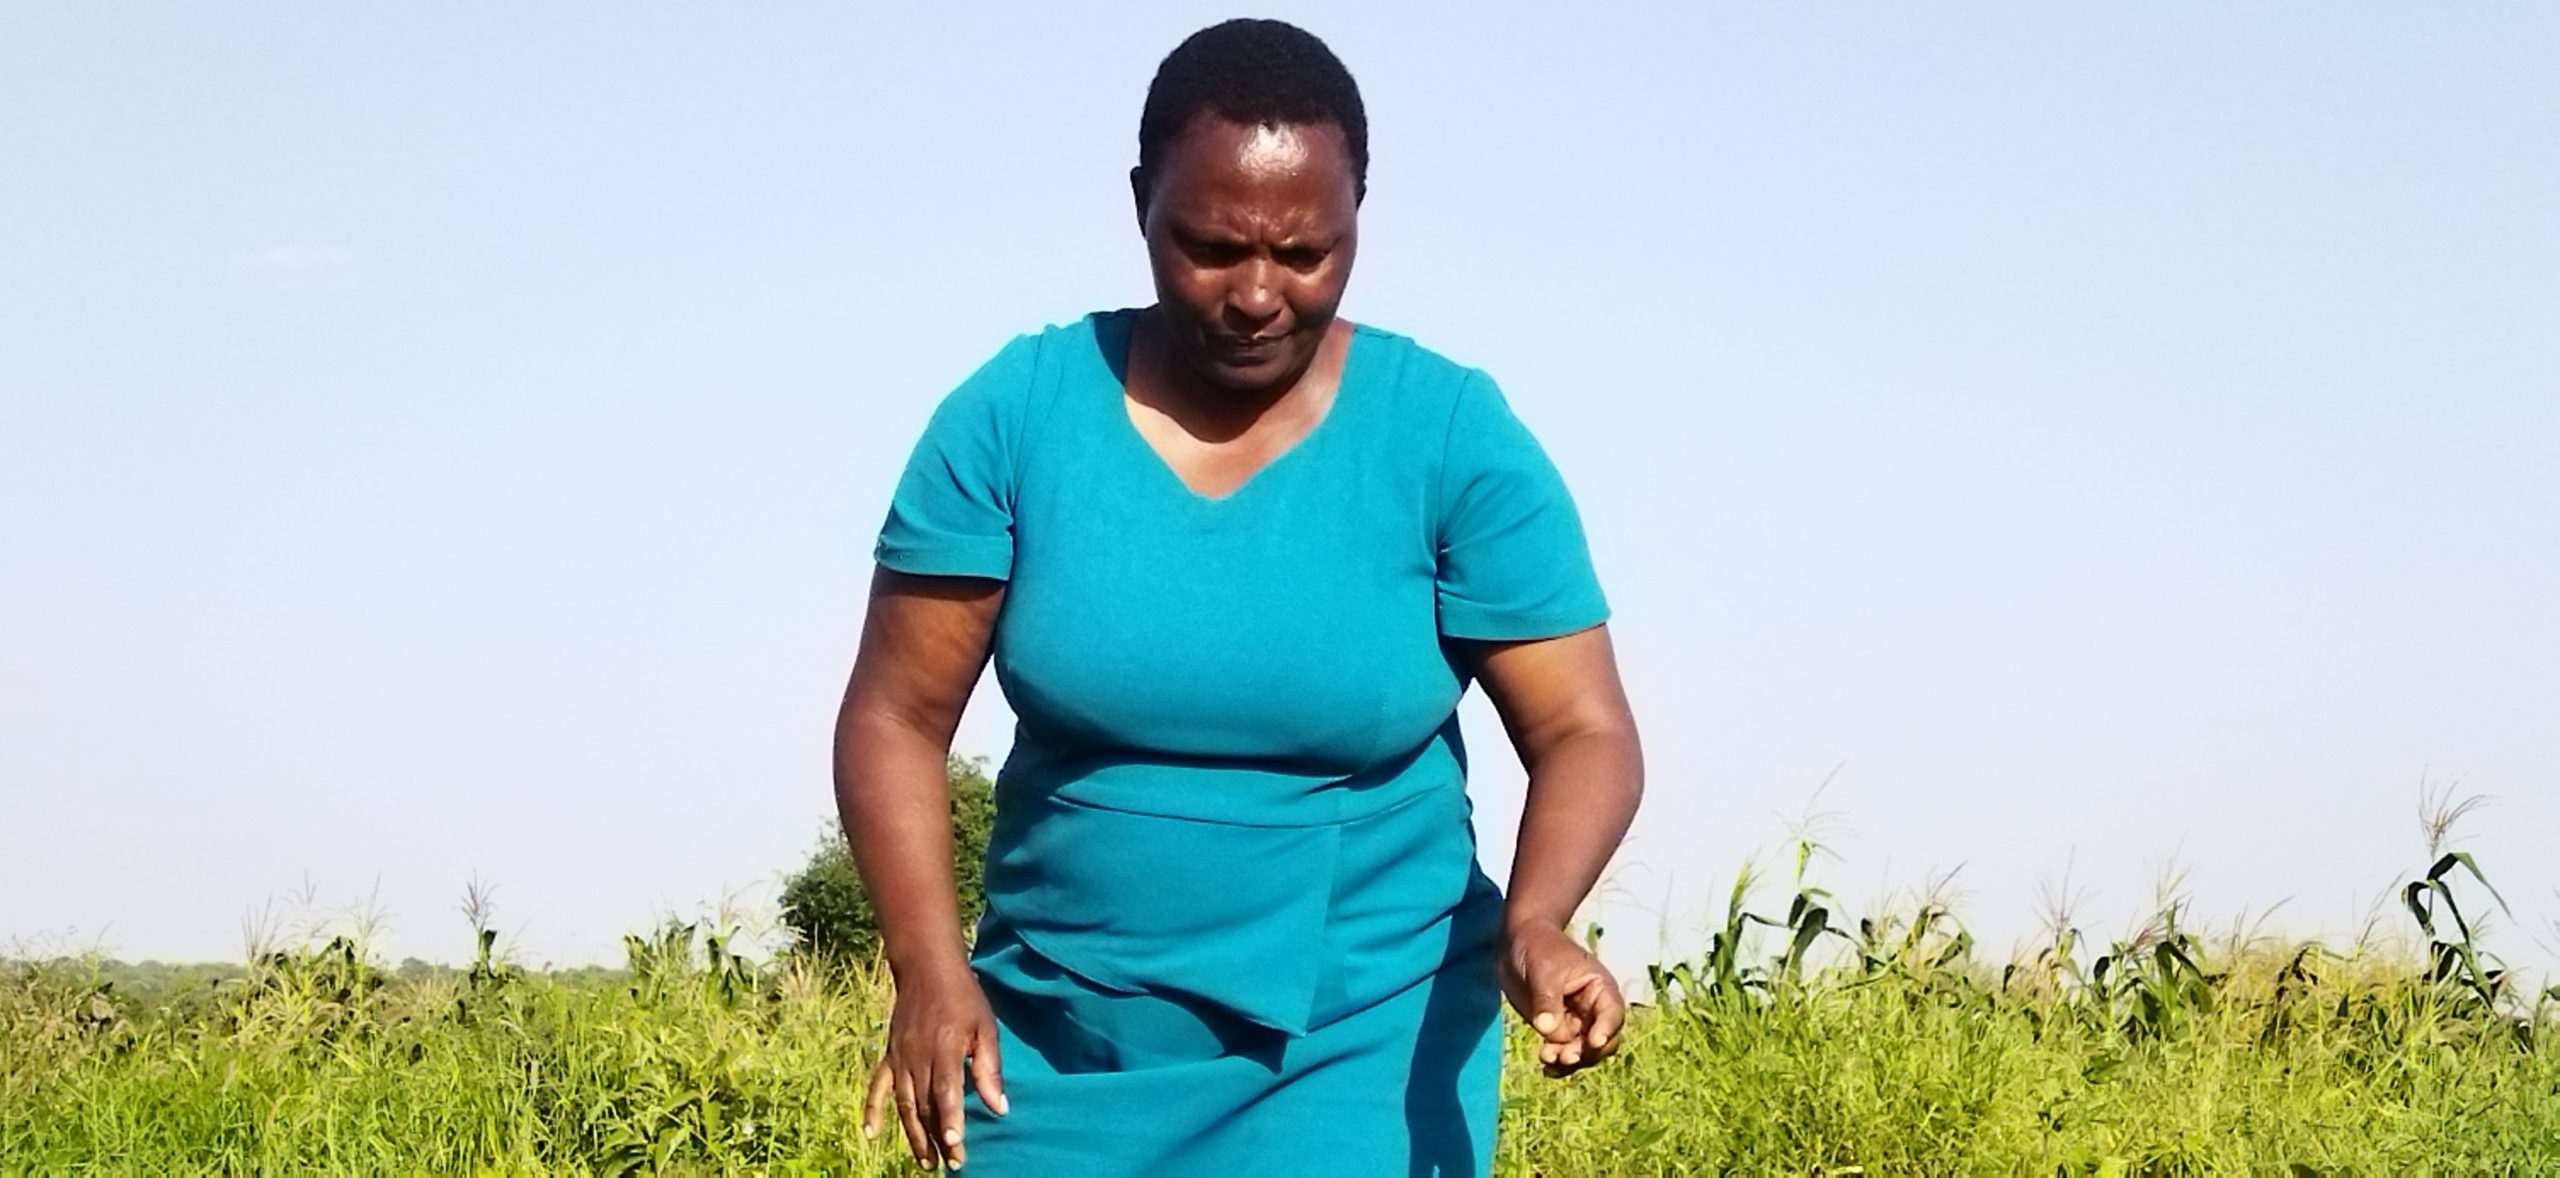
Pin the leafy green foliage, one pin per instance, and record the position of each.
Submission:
(1808, 1043)
(2161, 1053)
(825, 903)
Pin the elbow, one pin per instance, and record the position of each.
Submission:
(1604, 756)
(1618, 755)
(1633, 756)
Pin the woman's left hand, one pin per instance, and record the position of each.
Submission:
(1565, 994)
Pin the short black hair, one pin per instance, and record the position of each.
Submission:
(1255, 72)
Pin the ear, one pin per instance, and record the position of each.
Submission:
(1138, 193)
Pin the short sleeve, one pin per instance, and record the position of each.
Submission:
(1513, 561)
(952, 514)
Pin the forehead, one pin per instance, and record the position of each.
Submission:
(1272, 148)
(1218, 160)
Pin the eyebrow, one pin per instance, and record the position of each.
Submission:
(1209, 236)
(1193, 233)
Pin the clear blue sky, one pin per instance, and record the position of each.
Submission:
(440, 440)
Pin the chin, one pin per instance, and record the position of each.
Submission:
(1260, 377)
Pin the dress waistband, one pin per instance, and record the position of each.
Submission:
(1228, 793)
(1239, 916)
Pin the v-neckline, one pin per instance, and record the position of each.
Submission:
(1116, 354)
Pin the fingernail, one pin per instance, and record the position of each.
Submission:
(951, 1137)
(1003, 1105)
(1545, 1022)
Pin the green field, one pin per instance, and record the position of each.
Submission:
(1803, 1042)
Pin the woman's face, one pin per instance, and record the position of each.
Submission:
(1250, 230)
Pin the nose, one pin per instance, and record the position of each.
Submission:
(1253, 298)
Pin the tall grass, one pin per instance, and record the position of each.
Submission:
(316, 1060)
(1800, 1042)
(2159, 1053)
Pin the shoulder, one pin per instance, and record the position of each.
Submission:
(1027, 354)
(1431, 388)
(1009, 386)
(1412, 364)
(1459, 399)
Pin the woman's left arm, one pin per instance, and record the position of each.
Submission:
(1562, 703)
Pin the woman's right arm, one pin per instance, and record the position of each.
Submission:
(924, 642)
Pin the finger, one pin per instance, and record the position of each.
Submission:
(877, 1101)
(1608, 1017)
(1564, 1029)
(1546, 1007)
(1565, 1058)
(909, 1115)
(1585, 1000)
(950, 1123)
(1574, 1008)
(986, 1070)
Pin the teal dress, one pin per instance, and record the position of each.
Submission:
(1235, 923)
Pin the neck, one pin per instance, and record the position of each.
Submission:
(1202, 403)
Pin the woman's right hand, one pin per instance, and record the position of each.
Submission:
(939, 1029)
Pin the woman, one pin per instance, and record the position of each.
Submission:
(1235, 560)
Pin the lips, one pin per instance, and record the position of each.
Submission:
(1246, 348)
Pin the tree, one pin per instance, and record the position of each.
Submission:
(825, 904)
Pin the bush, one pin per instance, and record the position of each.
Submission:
(825, 904)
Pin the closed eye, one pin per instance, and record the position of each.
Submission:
(1216, 253)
